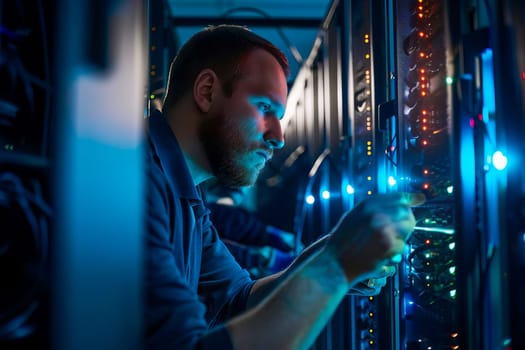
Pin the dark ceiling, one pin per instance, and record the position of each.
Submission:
(291, 24)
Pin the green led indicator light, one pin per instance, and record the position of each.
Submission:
(449, 80)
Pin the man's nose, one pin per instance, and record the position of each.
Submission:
(273, 135)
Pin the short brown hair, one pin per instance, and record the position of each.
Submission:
(219, 48)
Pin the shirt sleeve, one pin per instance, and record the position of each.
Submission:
(175, 314)
(219, 269)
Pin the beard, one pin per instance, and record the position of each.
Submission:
(225, 148)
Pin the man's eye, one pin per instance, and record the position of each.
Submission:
(264, 107)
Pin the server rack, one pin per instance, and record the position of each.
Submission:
(489, 109)
(26, 89)
(98, 175)
(68, 136)
(429, 91)
(427, 277)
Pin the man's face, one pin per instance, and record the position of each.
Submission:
(243, 129)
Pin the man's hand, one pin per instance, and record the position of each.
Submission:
(374, 283)
(372, 234)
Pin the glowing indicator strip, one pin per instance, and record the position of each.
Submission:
(447, 231)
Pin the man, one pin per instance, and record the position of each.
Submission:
(227, 91)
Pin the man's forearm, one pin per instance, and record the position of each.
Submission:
(294, 313)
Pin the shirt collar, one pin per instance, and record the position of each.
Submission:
(172, 160)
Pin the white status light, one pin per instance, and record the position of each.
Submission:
(310, 199)
(391, 181)
(499, 160)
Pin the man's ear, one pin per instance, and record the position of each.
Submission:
(204, 88)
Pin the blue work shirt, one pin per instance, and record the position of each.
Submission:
(193, 283)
